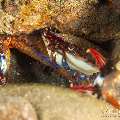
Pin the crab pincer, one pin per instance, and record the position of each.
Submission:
(100, 60)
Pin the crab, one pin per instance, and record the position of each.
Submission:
(57, 52)
(67, 59)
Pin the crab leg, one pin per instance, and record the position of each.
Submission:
(111, 88)
(24, 46)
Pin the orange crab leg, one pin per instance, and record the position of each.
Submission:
(109, 98)
(111, 90)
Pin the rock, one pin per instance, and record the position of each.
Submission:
(90, 18)
(16, 108)
(53, 103)
(111, 88)
(6, 23)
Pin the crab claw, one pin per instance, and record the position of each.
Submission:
(100, 60)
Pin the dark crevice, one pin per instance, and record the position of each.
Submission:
(3, 4)
(103, 2)
(107, 46)
(32, 70)
(25, 64)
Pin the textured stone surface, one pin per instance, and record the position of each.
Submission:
(16, 108)
(88, 19)
(52, 103)
(94, 19)
(111, 88)
(5, 23)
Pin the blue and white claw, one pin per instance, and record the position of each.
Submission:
(3, 68)
(3, 63)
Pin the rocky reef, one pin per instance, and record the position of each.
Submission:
(85, 23)
(49, 103)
